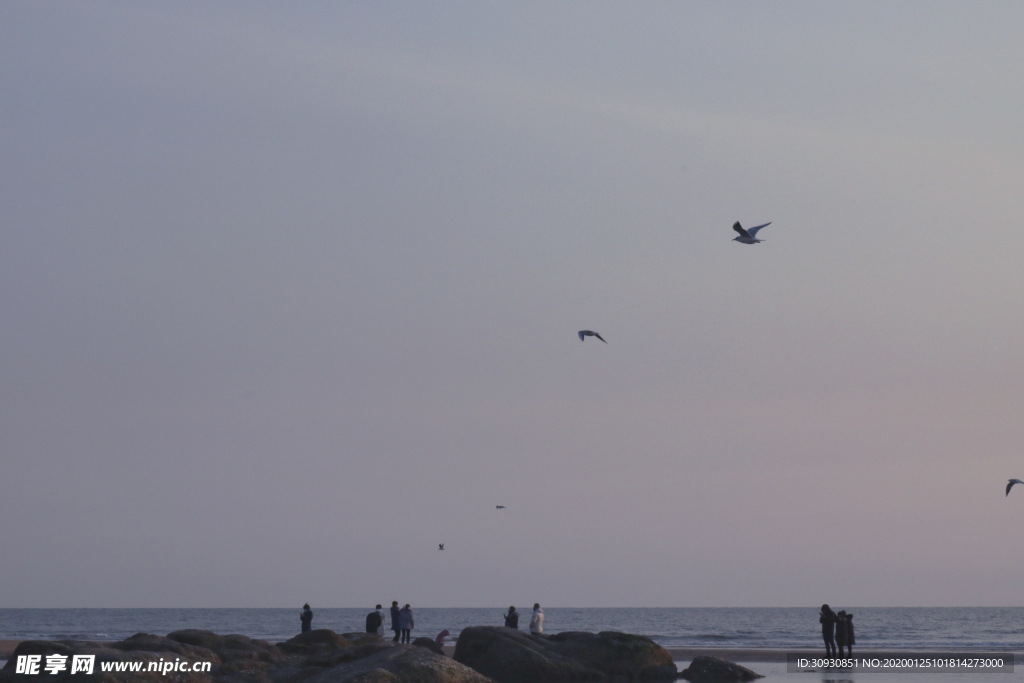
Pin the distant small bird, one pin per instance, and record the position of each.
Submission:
(590, 333)
(1010, 485)
(499, 507)
(747, 236)
(440, 546)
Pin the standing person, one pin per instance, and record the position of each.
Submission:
(405, 622)
(850, 640)
(512, 618)
(827, 619)
(374, 621)
(381, 629)
(841, 631)
(537, 622)
(306, 617)
(394, 620)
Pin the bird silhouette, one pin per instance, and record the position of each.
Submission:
(1010, 485)
(440, 546)
(747, 236)
(590, 333)
(499, 507)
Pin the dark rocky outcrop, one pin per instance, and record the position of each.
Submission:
(320, 656)
(398, 664)
(513, 656)
(714, 670)
(428, 644)
(146, 642)
(139, 648)
(318, 641)
(230, 648)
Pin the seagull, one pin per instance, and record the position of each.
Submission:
(499, 507)
(440, 546)
(590, 333)
(747, 236)
(1010, 485)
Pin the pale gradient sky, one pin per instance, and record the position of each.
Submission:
(289, 295)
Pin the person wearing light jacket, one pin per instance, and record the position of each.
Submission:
(537, 622)
(405, 622)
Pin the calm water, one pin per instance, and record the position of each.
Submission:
(876, 627)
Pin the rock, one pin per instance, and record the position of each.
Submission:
(106, 653)
(331, 658)
(146, 642)
(317, 642)
(398, 664)
(513, 656)
(349, 658)
(233, 648)
(428, 643)
(714, 670)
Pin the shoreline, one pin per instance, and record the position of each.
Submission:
(732, 654)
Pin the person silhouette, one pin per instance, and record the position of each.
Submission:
(512, 618)
(306, 617)
(827, 619)
(394, 620)
(841, 638)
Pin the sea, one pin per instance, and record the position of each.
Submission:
(945, 629)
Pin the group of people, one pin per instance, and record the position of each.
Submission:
(402, 622)
(837, 631)
(536, 622)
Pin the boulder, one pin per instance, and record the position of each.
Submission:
(230, 648)
(513, 656)
(428, 643)
(104, 653)
(147, 642)
(714, 670)
(329, 658)
(350, 658)
(317, 642)
(397, 664)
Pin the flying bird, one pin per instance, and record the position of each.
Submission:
(440, 546)
(499, 507)
(747, 236)
(1010, 485)
(590, 333)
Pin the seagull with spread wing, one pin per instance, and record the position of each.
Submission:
(747, 236)
(590, 333)
(1010, 485)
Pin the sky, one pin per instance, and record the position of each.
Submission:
(289, 295)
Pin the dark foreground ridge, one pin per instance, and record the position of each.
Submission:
(483, 654)
(512, 656)
(320, 656)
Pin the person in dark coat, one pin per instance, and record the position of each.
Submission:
(405, 622)
(850, 640)
(512, 618)
(374, 620)
(394, 620)
(306, 617)
(827, 619)
(841, 631)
